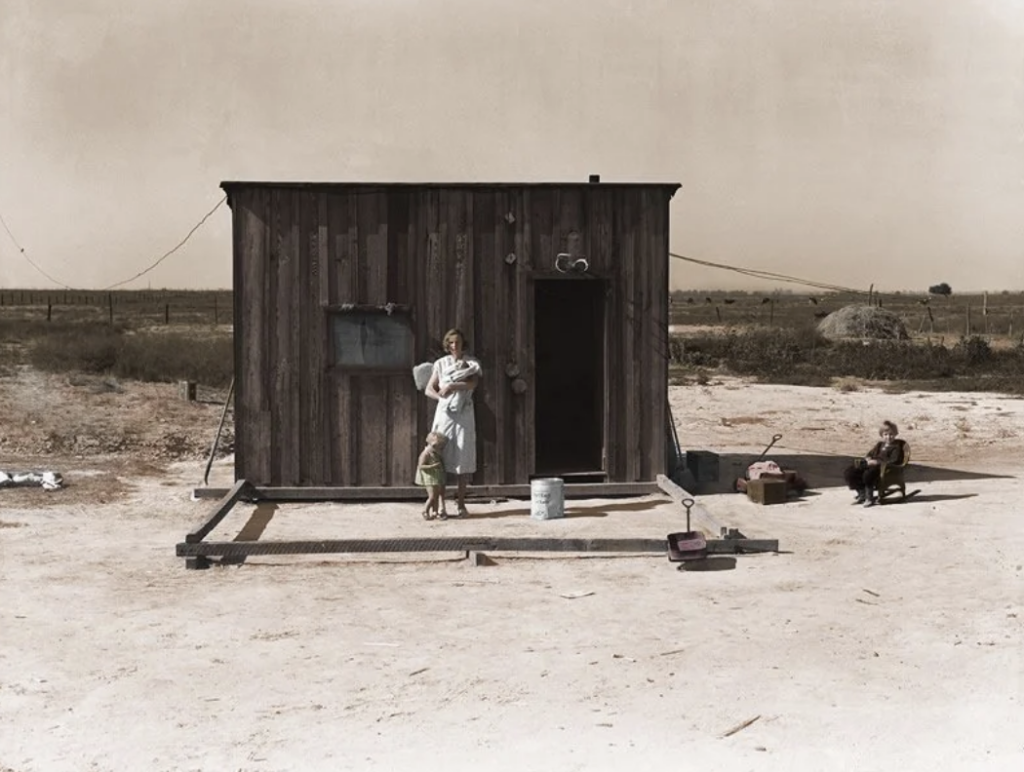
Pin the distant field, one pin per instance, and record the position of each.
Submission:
(164, 335)
(923, 314)
(130, 308)
(962, 341)
(1002, 315)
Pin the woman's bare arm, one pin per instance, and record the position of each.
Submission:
(431, 390)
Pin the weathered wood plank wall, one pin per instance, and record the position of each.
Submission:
(442, 252)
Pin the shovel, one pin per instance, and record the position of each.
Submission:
(775, 438)
(740, 486)
(689, 545)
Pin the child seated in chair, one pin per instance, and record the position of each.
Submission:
(862, 476)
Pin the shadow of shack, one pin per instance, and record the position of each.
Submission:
(341, 288)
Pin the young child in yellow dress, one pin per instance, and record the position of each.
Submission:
(430, 473)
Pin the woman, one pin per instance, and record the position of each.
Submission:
(452, 382)
(863, 475)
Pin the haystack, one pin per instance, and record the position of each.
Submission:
(863, 322)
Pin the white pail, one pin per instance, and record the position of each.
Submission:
(547, 498)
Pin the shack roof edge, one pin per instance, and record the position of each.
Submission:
(230, 185)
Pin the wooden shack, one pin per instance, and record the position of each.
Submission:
(341, 288)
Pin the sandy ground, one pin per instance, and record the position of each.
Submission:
(879, 639)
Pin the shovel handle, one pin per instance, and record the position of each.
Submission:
(688, 503)
(775, 438)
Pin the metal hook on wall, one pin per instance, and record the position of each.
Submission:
(564, 262)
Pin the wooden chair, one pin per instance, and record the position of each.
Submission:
(891, 479)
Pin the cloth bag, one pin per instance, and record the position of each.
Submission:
(421, 374)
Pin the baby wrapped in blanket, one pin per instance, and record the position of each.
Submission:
(454, 371)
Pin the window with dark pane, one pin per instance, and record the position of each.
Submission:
(377, 341)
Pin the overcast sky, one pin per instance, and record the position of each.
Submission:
(846, 141)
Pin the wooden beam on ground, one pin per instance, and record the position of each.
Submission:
(741, 546)
(698, 512)
(197, 534)
(415, 493)
(427, 544)
(464, 544)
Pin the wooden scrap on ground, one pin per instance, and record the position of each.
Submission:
(740, 727)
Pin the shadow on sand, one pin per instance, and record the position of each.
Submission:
(713, 563)
(826, 471)
(252, 530)
(573, 510)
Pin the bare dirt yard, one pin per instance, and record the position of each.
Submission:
(878, 639)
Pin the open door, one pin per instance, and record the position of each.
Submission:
(570, 372)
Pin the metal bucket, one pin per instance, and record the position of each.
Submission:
(547, 498)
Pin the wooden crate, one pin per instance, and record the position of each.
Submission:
(767, 491)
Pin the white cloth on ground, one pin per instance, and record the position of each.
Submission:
(50, 481)
(454, 416)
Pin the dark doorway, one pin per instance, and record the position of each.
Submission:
(569, 397)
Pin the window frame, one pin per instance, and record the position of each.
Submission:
(403, 312)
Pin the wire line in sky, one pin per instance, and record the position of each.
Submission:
(756, 273)
(179, 245)
(769, 275)
(14, 240)
(170, 252)
(21, 251)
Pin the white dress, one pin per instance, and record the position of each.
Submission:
(455, 417)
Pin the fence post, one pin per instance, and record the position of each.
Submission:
(167, 313)
(968, 321)
(110, 307)
(215, 310)
(49, 310)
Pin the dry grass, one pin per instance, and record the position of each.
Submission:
(922, 314)
(803, 357)
(774, 337)
(138, 356)
(173, 336)
(155, 337)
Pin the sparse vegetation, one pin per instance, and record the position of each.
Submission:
(140, 356)
(161, 337)
(175, 336)
(974, 343)
(803, 357)
(922, 314)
